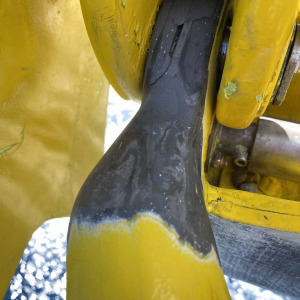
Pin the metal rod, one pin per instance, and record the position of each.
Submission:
(276, 149)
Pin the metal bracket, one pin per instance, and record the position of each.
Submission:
(292, 67)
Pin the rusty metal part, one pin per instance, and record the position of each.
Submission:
(240, 155)
(229, 138)
(276, 149)
(245, 181)
(242, 175)
(228, 141)
(270, 147)
(249, 187)
(218, 161)
(291, 68)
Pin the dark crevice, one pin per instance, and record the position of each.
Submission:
(175, 41)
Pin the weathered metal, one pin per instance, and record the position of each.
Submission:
(52, 132)
(143, 204)
(270, 147)
(292, 67)
(120, 33)
(276, 149)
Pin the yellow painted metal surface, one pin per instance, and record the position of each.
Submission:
(260, 35)
(254, 209)
(267, 186)
(279, 188)
(274, 211)
(52, 126)
(143, 258)
(139, 259)
(120, 33)
(256, 52)
(52, 118)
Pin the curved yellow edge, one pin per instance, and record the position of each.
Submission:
(141, 258)
(260, 35)
(53, 99)
(120, 33)
(255, 209)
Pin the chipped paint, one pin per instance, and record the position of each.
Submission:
(251, 68)
(230, 89)
(259, 98)
(138, 256)
(120, 35)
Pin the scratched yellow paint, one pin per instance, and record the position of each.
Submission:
(120, 33)
(139, 259)
(277, 211)
(259, 39)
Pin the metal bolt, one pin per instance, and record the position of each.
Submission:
(249, 187)
(218, 161)
(240, 155)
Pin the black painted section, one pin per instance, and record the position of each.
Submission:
(265, 257)
(155, 165)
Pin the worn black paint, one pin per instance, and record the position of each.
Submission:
(155, 165)
(265, 257)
